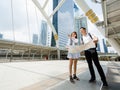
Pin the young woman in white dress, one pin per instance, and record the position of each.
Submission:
(73, 57)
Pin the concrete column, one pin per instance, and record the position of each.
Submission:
(33, 56)
(11, 52)
(58, 54)
(7, 55)
(22, 55)
(29, 53)
(41, 54)
(11, 55)
(49, 55)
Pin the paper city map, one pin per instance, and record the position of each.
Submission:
(79, 48)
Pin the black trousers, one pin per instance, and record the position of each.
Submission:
(91, 55)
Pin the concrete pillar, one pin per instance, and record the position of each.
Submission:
(29, 53)
(7, 55)
(58, 54)
(41, 55)
(33, 55)
(11, 52)
(11, 55)
(22, 55)
(49, 55)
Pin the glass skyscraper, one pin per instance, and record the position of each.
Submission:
(55, 22)
(35, 39)
(1, 36)
(98, 47)
(43, 35)
(80, 21)
(105, 46)
(63, 21)
(48, 38)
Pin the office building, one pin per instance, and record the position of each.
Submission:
(1, 36)
(43, 34)
(35, 39)
(63, 21)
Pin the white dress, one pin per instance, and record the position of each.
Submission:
(73, 42)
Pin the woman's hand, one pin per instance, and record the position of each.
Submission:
(71, 36)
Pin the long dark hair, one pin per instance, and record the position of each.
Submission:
(74, 33)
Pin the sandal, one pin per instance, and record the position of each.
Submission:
(72, 80)
(75, 77)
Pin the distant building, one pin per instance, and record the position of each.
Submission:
(80, 21)
(43, 34)
(35, 39)
(98, 47)
(49, 38)
(54, 22)
(1, 36)
(63, 21)
(105, 46)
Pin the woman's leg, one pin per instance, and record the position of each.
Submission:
(70, 66)
(75, 70)
(70, 70)
(75, 66)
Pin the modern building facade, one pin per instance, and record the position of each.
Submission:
(1, 36)
(80, 21)
(105, 46)
(54, 22)
(49, 37)
(65, 22)
(98, 47)
(35, 39)
(43, 34)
